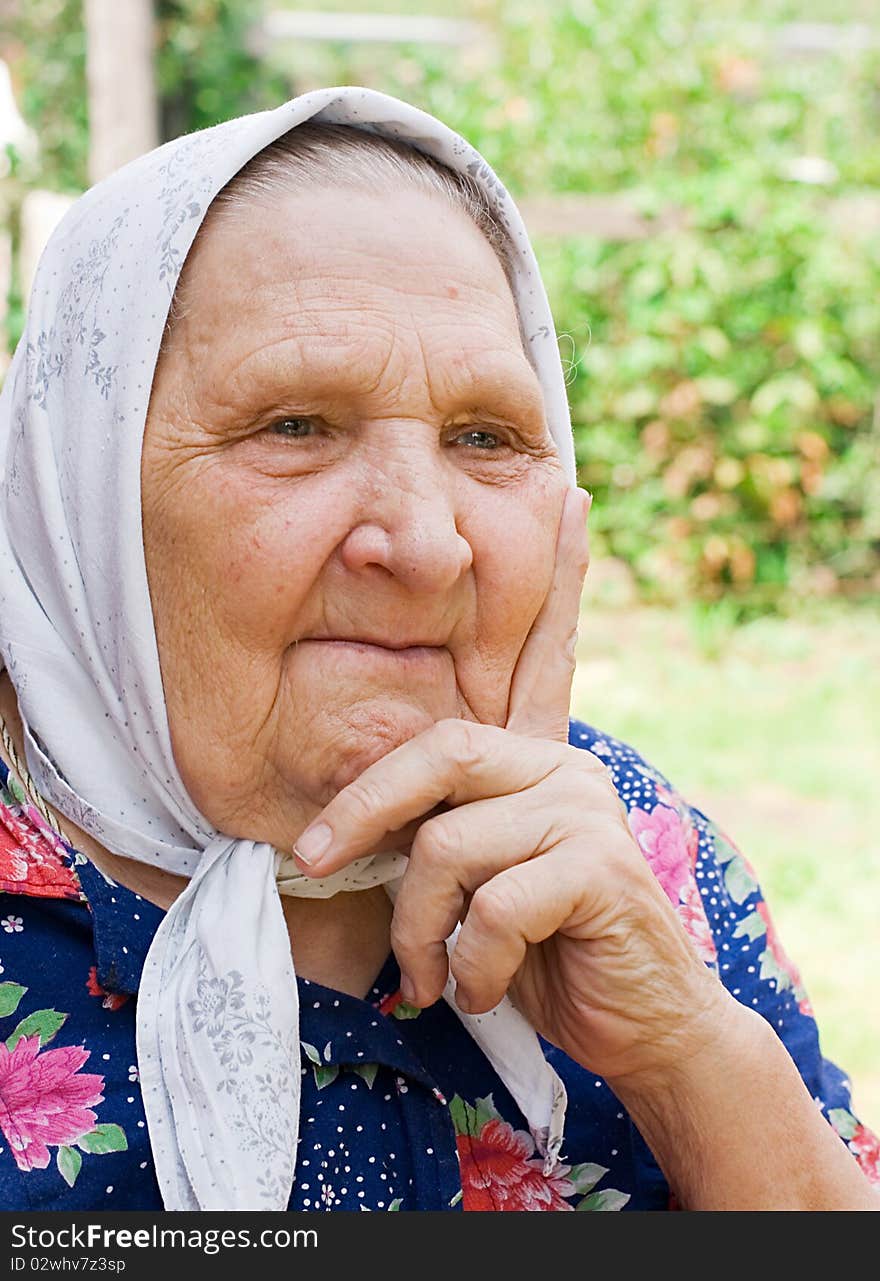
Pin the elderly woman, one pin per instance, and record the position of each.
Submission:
(291, 556)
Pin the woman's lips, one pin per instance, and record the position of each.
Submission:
(389, 652)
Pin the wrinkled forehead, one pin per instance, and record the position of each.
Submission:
(337, 264)
(107, 281)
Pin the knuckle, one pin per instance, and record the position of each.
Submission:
(586, 762)
(593, 762)
(589, 770)
(498, 902)
(438, 842)
(461, 741)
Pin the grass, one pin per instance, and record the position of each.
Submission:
(771, 728)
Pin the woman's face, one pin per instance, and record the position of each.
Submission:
(350, 497)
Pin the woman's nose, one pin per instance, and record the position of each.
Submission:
(412, 533)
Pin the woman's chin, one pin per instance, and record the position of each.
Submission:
(364, 734)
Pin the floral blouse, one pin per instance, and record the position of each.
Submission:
(400, 1108)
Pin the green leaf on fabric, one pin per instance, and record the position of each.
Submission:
(311, 1053)
(44, 1022)
(723, 848)
(462, 1115)
(69, 1164)
(485, 1110)
(16, 791)
(326, 1074)
(586, 1176)
(468, 1119)
(844, 1122)
(607, 1199)
(771, 969)
(103, 1139)
(367, 1071)
(752, 926)
(395, 1204)
(10, 996)
(738, 880)
(405, 1011)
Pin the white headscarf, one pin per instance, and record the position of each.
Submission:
(217, 1010)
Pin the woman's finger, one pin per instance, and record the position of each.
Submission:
(454, 854)
(453, 762)
(523, 905)
(540, 691)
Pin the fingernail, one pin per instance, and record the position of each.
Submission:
(589, 503)
(312, 843)
(407, 989)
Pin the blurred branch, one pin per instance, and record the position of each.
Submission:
(382, 28)
(791, 40)
(123, 113)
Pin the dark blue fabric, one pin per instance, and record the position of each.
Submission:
(400, 1110)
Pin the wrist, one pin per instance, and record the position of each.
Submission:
(718, 1035)
(733, 1127)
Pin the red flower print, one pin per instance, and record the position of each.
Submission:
(866, 1147)
(13, 864)
(693, 917)
(45, 1099)
(666, 844)
(31, 862)
(389, 1003)
(498, 1174)
(112, 1000)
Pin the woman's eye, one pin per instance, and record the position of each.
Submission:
(298, 428)
(480, 439)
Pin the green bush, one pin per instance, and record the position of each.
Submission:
(724, 376)
(724, 404)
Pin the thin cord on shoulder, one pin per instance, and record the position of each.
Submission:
(26, 781)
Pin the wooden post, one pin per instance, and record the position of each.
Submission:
(123, 115)
(5, 286)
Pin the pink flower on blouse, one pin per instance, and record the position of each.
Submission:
(44, 1099)
(665, 844)
(692, 915)
(866, 1148)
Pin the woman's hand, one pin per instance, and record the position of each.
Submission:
(525, 841)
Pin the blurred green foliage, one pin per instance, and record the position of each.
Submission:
(724, 373)
(205, 71)
(47, 51)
